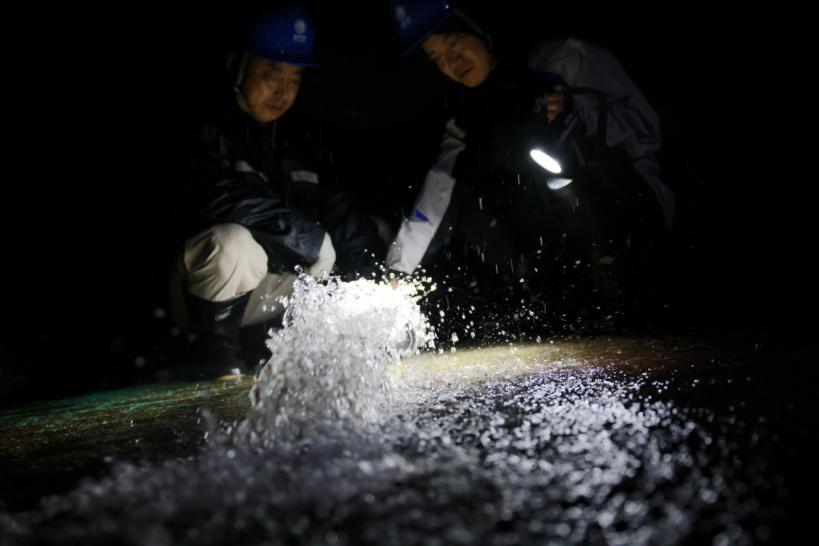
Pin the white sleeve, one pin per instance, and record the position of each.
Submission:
(417, 231)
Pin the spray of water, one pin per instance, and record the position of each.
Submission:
(526, 445)
(329, 361)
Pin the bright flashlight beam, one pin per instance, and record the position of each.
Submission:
(546, 161)
(555, 183)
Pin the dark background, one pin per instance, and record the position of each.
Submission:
(96, 97)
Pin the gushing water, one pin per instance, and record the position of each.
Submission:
(511, 445)
(329, 361)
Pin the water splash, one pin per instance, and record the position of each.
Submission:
(329, 361)
(509, 445)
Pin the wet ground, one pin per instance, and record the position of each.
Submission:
(613, 440)
(47, 447)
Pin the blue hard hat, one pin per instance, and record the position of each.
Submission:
(415, 20)
(282, 35)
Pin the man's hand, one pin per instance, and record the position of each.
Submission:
(555, 103)
(395, 278)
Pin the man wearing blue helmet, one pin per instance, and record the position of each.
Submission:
(277, 48)
(570, 93)
(255, 209)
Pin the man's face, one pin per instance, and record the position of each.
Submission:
(270, 88)
(462, 57)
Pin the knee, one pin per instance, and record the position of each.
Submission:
(226, 259)
(235, 250)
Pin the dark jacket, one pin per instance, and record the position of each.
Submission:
(253, 175)
(504, 120)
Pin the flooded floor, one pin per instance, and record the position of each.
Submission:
(615, 440)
